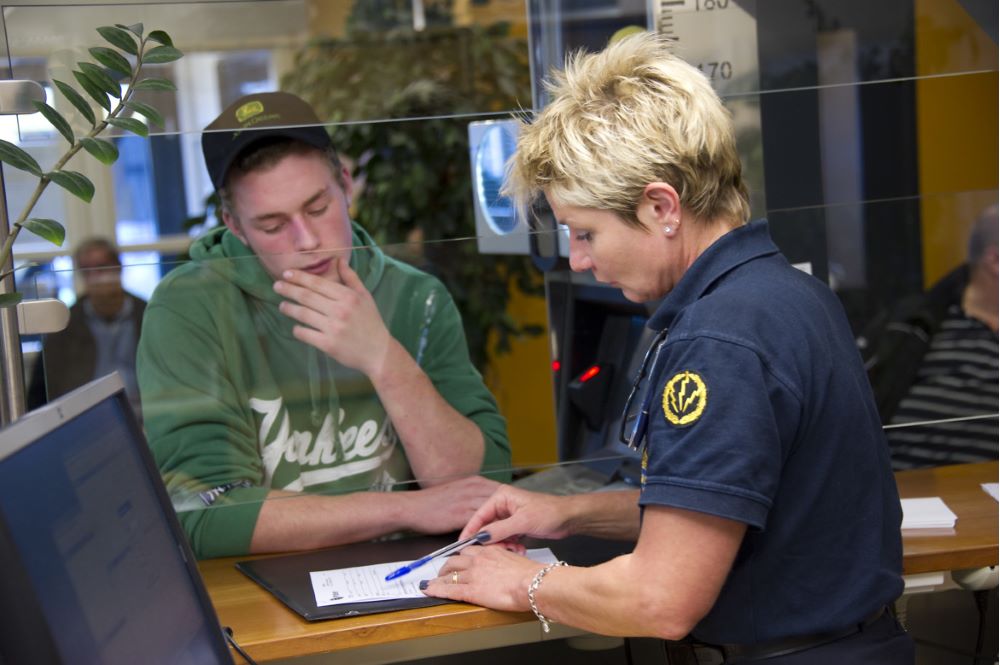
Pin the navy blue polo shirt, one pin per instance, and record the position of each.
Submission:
(763, 414)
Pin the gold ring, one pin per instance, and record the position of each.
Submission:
(454, 577)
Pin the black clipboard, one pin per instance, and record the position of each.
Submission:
(287, 576)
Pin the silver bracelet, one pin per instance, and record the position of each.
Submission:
(536, 582)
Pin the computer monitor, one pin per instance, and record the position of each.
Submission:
(94, 567)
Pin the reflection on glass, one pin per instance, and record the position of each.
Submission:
(495, 147)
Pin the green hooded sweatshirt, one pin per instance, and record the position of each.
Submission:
(235, 406)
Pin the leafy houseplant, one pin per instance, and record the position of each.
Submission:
(100, 82)
(416, 173)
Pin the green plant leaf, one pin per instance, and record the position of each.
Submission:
(46, 229)
(135, 28)
(130, 124)
(18, 158)
(105, 151)
(56, 120)
(148, 111)
(161, 54)
(154, 84)
(111, 59)
(116, 36)
(75, 183)
(94, 90)
(101, 78)
(161, 37)
(77, 101)
(10, 299)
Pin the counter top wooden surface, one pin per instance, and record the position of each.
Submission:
(268, 630)
(974, 543)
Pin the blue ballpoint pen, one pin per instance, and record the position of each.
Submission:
(477, 539)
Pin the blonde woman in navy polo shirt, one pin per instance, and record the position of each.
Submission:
(770, 519)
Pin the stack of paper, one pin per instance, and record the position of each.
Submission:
(927, 513)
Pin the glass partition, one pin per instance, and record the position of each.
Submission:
(868, 134)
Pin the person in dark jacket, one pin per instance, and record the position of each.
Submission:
(934, 359)
(102, 333)
(761, 445)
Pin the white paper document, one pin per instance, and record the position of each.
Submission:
(927, 513)
(366, 584)
(991, 489)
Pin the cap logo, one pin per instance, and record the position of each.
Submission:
(684, 398)
(249, 110)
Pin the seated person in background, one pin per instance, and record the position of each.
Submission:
(102, 333)
(281, 362)
(936, 359)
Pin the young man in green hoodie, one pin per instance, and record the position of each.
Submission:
(291, 373)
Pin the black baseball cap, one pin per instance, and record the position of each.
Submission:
(253, 118)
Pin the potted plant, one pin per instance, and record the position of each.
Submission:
(111, 81)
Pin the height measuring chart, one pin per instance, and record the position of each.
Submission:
(720, 38)
(717, 36)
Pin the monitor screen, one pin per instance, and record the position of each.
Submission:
(86, 522)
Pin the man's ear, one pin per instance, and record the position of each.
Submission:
(346, 183)
(233, 224)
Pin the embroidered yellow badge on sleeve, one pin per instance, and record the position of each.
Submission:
(645, 463)
(684, 398)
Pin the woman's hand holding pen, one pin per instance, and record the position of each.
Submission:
(491, 575)
(511, 512)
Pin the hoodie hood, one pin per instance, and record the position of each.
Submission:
(223, 253)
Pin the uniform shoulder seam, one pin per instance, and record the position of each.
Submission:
(768, 366)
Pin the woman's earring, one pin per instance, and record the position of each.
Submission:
(668, 229)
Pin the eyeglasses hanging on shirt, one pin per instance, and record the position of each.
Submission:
(635, 422)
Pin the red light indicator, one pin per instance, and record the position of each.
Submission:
(590, 373)
(556, 365)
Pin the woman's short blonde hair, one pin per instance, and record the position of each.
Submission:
(620, 119)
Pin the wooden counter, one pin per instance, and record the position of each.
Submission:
(270, 631)
(974, 543)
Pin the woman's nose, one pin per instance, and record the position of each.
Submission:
(579, 259)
